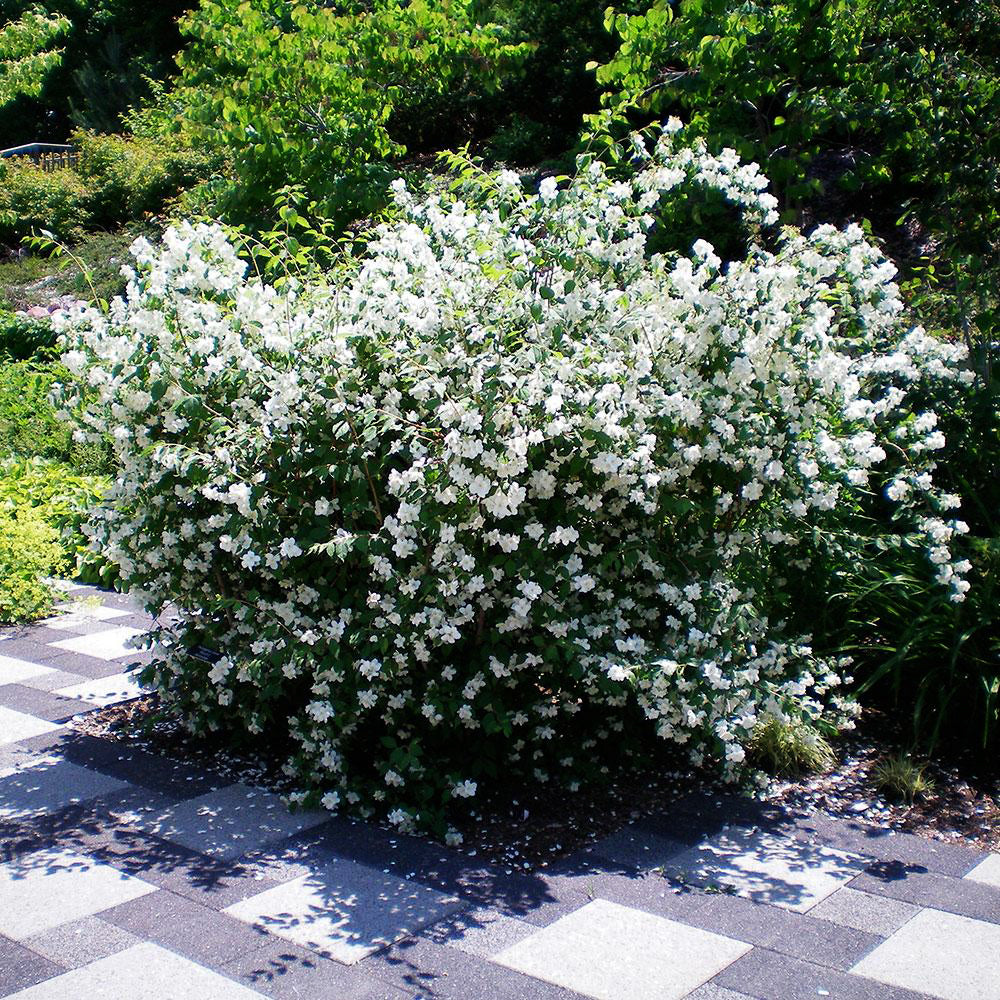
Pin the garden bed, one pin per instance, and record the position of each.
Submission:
(528, 827)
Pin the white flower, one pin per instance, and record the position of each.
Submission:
(547, 189)
(464, 789)
(289, 548)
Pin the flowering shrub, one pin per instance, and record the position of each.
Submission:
(499, 493)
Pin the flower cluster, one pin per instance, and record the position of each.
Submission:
(495, 495)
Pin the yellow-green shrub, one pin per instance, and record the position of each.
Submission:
(30, 550)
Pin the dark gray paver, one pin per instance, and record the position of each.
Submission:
(701, 814)
(81, 941)
(41, 704)
(78, 624)
(633, 848)
(76, 663)
(793, 934)
(163, 774)
(768, 975)
(49, 783)
(885, 845)
(31, 644)
(712, 992)
(963, 896)
(21, 967)
(53, 680)
(226, 822)
(203, 935)
(282, 970)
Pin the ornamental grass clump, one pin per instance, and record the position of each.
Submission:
(501, 492)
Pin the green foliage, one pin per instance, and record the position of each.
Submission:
(28, 422)
(29, 551)
(789, 749)
(21, 337)
(31, 198)
(110, 49)
(887, 96)
(882, 108)
(935, 659)
(535, 113)
(303, 94)
(128, 177)
(119, 179)
(898, 777)
(26, 56)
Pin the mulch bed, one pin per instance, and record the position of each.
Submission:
(529, 826)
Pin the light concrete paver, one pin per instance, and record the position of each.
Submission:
(143, 972)
(106, 690)
(943, 954)
(76, 615)
(16, 726)
(15, 671)
(767, 868)
(864, 912)
(112, 644)
(612, 952)
(480, 932)
(45, 783)
(987, 871)
(51, 887)
(226, 823)
(344, 909)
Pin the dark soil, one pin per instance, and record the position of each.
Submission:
(529, 826)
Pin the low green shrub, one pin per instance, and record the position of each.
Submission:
(32, 199)
(789, 749)
(29, 425)
(897, 776)
(129, 177)
(118, 180)
(23, 337)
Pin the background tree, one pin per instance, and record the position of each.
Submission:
(305, 93)
(110, 50)
(26, 55)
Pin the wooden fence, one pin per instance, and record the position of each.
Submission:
(48, 156)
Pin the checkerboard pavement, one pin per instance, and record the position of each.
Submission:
(129, 876)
